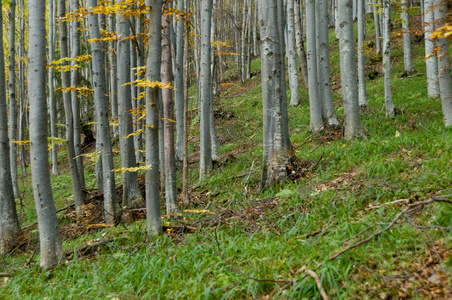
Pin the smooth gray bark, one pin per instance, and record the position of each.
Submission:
(444, 79)
(431, 63)
(300, 43)
(168, 115)
(140, 106)
(324, 66)
(362, 92)
(377, 26)
(49, 235)
(75, 81)
(131, 196)
(154, 221)
(52, 108)
(9, 222)
(179, 83)
(292, 59)
(275, 154)
(387, 58)
(353, 126)
(205, 165)
(315, 102)
(407, 53)
(113, 92)
(12, 97)
(70, 146)
(101, 107)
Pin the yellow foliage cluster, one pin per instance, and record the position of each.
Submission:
(133, 169)
(82, 90)
(151, 84)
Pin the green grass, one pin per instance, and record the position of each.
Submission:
(405, 157)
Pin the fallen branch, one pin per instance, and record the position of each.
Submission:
(6, 274)
(317, 281)
(412, 206)
(91, 245)
(387, 203)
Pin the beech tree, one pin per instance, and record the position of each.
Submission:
(430, 61)
(52, 108)
(353, 126)
(444, 79)
(168, 117)
(9, 222)
(131, 196)
(387, 58)
(205, 163)
(407, 55)
(49, 234)
(362, 93)
(154, 221)
(315, 104)
(75, 175)
(275, 154)
(292, 59)
(300, 42)
(179, 83)
(101, 110)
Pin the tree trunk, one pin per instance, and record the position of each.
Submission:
(12, 98)
(9, 221)
(49, 235)
(431, 68)
(205, 166)
(324, 66)
(445, 86)
(113, 93)
(407, 55)
(353, 127)
(154, 221)
(75, 52)
(168, 115)
(300, 43)
(73, 168)
(292, 67)
(377, 27)
(179, 84)
(131, 196)
(315, 104)
(101, 107)
(362, 92)
(387, 58)
(52, 109)
(185, 196)
(275, 156)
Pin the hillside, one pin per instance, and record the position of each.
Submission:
(369, 217)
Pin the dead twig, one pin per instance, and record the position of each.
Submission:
(394, 221)
(317, 281)
(387, 203)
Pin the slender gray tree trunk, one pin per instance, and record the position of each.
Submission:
(131, 196)
(324, 66)
(52, 108)
(12, 97)
(185, 196)
(154, 221)
(377, 26)
(444, 79)
(49, 235)
(362, 92)
(179, 83)
(292, 59)
(140, 63)
(101, 107)
(300, 43)
(315, 104)
(75, 81)
(9, 222)
(407, 54)
(431, 63)
(113, 93)
(387, 58)
(73, 168)
(275, 154)
(205, 166)
(23, 90)
(168, 115)
(353, 126)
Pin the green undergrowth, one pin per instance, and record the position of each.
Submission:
(240, 242)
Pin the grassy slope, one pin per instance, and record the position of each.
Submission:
(263, 235)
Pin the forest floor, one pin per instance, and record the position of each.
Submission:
(366, 218)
